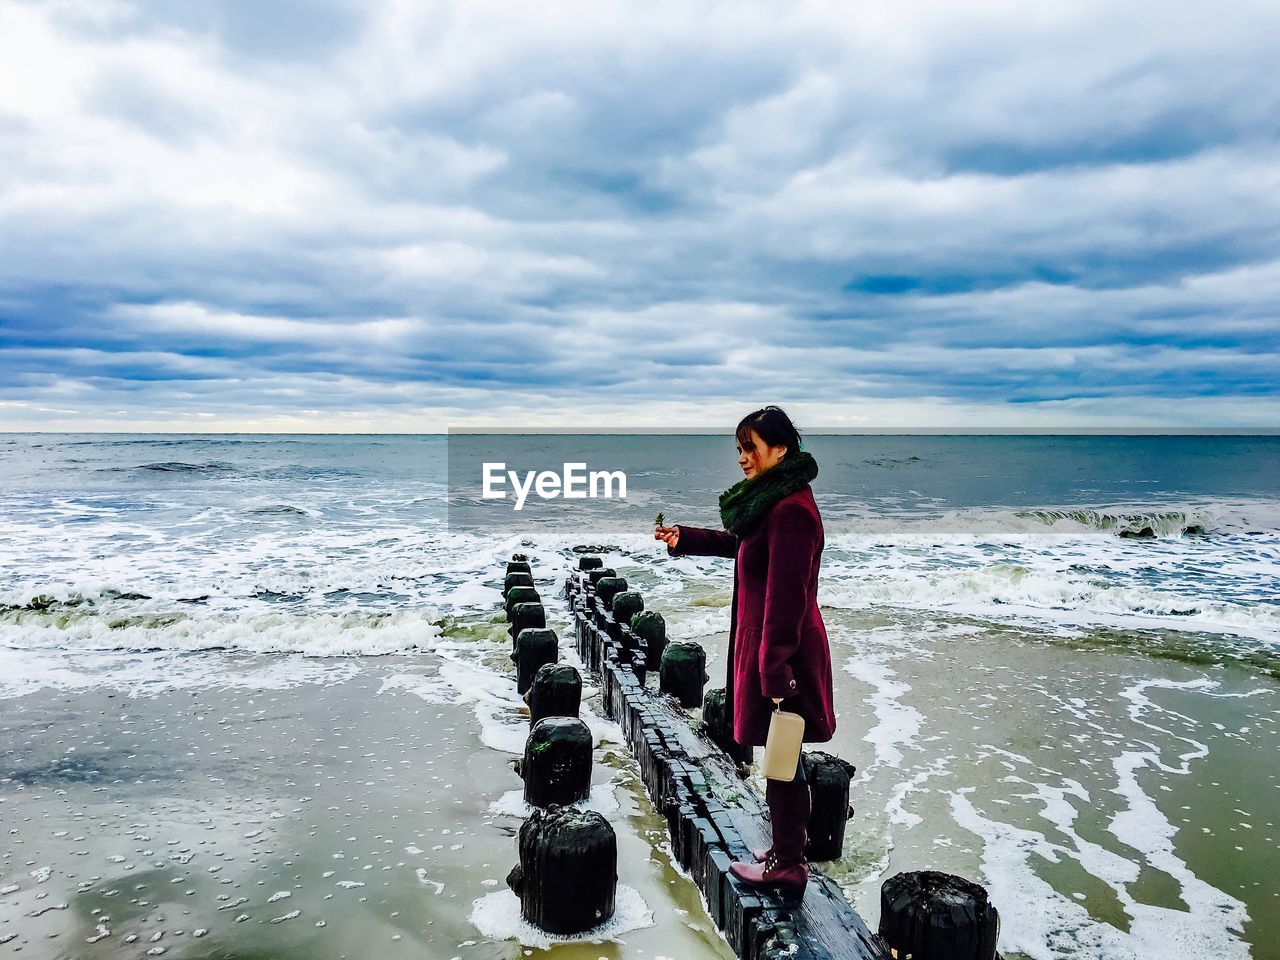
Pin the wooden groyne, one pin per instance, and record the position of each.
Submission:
(713, 816)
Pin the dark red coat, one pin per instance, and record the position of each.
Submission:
(777, 640)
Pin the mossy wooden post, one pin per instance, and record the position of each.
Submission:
(590, 563)
(567, 880)
(557, 762)
(626, 604)
(526, 615)
(609, 587)
(597, 574)
(682, 673)
(515, 580)
(829, 778)
(931, 915)
(556, 691)
(535, 647)
(719, 726)
(519, 566)
(520, 595)
(649, 626)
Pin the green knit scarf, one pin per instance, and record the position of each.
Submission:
(744, 504)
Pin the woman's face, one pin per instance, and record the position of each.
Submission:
(759, 457)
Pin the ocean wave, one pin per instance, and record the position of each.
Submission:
(42, 602)
(25, 672)
(890, 461)
(298, 471)
(1019, 591)
(139, 442)
(1142, 525)
(210, 468)
(845, 513)
(349, 634)
(222, 468)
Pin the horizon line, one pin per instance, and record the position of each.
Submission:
(690, 432)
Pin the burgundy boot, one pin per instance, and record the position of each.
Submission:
(783, 867)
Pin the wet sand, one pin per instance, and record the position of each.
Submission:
(326, 820)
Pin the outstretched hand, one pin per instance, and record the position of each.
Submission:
(669, 535)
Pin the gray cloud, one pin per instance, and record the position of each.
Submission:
(402, 213)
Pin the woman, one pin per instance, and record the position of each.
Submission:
(778, 651)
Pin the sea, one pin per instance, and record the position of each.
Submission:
(256, 697)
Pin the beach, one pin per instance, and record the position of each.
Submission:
(255, 695)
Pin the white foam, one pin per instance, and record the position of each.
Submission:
(1046, 925)
(24, 672)
(1092, 582)
(500, 711)
(603, 799)
(897, 723)
(895, 806)
(426, 881)
(475, 595)
(497, 916)
(315, 634)
(1043, 923)
(431, 688)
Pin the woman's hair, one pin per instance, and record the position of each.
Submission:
(774, 427)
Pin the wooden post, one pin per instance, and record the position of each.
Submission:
(519, 566)
(719, 726)
(516, 579)
(650, 626)
(567, 880)
(590, 563)
(937, 916)
(557, 762)
(682, 672)
(625, 605)
(609, 587)
(535, 647)
(525, 615)
(520, 595)
(598, 573)
(829, 778)
(556, 691)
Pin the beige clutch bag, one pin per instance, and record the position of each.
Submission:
(783, 746)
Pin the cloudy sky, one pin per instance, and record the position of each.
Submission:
(405, 216)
